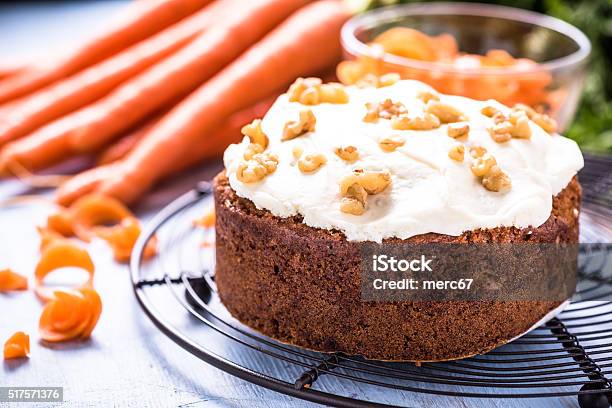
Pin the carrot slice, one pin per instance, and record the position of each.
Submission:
(93, 210)
(61, 254)
(207, 220)
(61, 223)
(17, 346)
(70, 314)
(47, 236)
(122, 238)
(10, 280)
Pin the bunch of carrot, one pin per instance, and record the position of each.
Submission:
(167, 86)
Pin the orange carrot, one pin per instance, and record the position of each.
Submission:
(139, 21)
(89, 129)
(10, 281)
(9, 69)
(17, 346)
(122, 147)
(89, 85)
(308, 41)
(229, 132)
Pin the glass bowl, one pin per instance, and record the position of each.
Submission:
(553, 85)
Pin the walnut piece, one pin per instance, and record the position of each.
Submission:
(258, 167)
(477, 151)
(458, 130)
(311, 162)
(347, 153)
(541, 119)
(482, 165)
(389, 144)
(445, 112)
(305, 124)
(489, 111)
(386, 109)
(457, 152)
(355, 188)
(427, 96)
(254, 132)
(501, 132)
(496, 180)
(425, 122)
(311, 91)
(251, 150)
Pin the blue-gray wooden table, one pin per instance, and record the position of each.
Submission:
(128, 362)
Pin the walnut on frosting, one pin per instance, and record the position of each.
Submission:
(347, 153)
(311, 162)
(257, 168)
(311, 91)
(386, 109)
(425, 122)
(355, 188)
(458, 130)
(445, 112)
(485, 167)
(305, 124)
(541, 119)
(390, 143)
(457, 152)
(516, 125)
(254, 132)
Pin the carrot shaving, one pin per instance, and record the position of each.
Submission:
(10, 281)
(122, 238)
(207, 220)
(47, 236)
(69, 315)
(61, 254)
(61, 223)
(35, 180)
(94, 210)
(17, 346)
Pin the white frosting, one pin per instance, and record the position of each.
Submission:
(429, 192)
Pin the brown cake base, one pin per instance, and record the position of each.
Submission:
(301, 285)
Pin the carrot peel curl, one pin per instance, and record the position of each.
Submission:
(10, 281)
(17, 346)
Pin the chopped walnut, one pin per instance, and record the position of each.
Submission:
(251, 150)
(355, 188)
(374, 182)
(482, 165)
(311, 91)
(297, 152)
(446, 113)
(311, 162)
(541, 119)
(378, 81)
(496, 180)
(501, 132)
(347, 153)
(333, 93)
(425, 122)
(258, 167)
(354, 200)
(254, 132)
(520, 125)
(389, 144)
(427, 96)
(458, 130)
(386, 109)
(477, 151)
(457, 152)
(489, 111)
(300, 85)
(305, 124)
(388, 79)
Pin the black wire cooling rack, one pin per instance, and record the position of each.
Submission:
(568, 356)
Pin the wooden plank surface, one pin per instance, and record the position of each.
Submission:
(128, 362)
